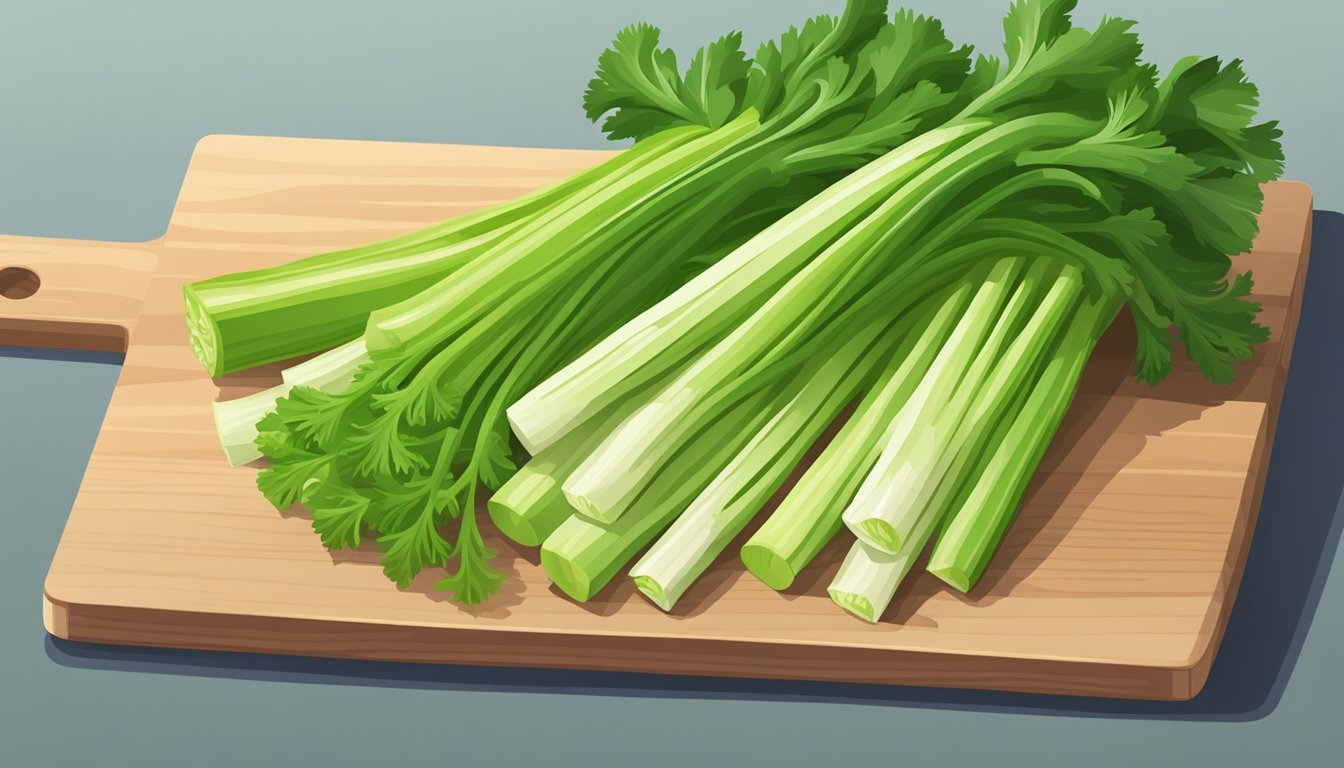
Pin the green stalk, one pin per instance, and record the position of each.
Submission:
(926, 441)
(581, 556)
(521, 268)
(809, 515)
(530, 505)
(852, 274)
(869, 577)
(716, 300)
(331, 371)
(968, 542)
(734, 497)
(325, 300)
(236, 419)
(639, 351)
(236, 422)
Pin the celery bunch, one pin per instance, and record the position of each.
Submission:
(1070, 182)
(722, 149)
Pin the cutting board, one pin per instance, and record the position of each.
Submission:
(1116, 580)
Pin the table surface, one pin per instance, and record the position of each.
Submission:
(93, 145)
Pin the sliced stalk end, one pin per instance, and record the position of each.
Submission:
(654, 591)
(953, 576)
(236, 423)
(878, 534)
(586, 506)
(855, 604)
(512, 523)
(202, 333)
(524, 435)
(567, 575)
(767, 565)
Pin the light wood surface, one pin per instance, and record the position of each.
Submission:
(71, 294)
(1116, 579)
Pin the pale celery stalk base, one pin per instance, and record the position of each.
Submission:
(236, 419)
(809, 516)
(718, 514)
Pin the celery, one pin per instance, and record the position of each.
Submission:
(809, 515)
(869, 577)
(713, 302)
(977, 525)
(581, 556)
(235, 320)
(926, 440)
(236, 419)
(530, 506)
(405, 450)
(236, 422)
(725, 507)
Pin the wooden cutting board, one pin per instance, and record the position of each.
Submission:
(1116, 580)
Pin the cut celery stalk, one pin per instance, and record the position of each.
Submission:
(900, 490)
(734, 497)
(235, 321)
(236, 422)
(530, 505)
(846, 278)
(914, 430)
(715, 301)
(512, 272)
(969, 540)
(236, 419)
(331, 371)
(809, 515)
(869, 578)
(582, 556)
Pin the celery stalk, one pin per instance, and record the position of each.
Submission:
(925, 441)
(969, 540)
(581, 556)
(715, 301)
(869, 577)
(912, 424)
(236, 422)
(520, 269)
(809, 515)
(245, 319)
(900, 490)
(331, 371)
(734, 497)
(530, 505)
(236, 419)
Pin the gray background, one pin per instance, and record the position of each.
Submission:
(100, 105)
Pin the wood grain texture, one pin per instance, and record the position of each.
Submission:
(87, 294)
(1116, 580)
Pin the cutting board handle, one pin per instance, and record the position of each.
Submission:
(72, 294)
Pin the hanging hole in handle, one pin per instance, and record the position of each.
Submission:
(18, 282)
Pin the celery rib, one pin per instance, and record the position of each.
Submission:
(809, 516)
(582, 556)
(715, 301)
(325, 300)
(915, 432)
(236, 419)
(976, 527)
(736, 494)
